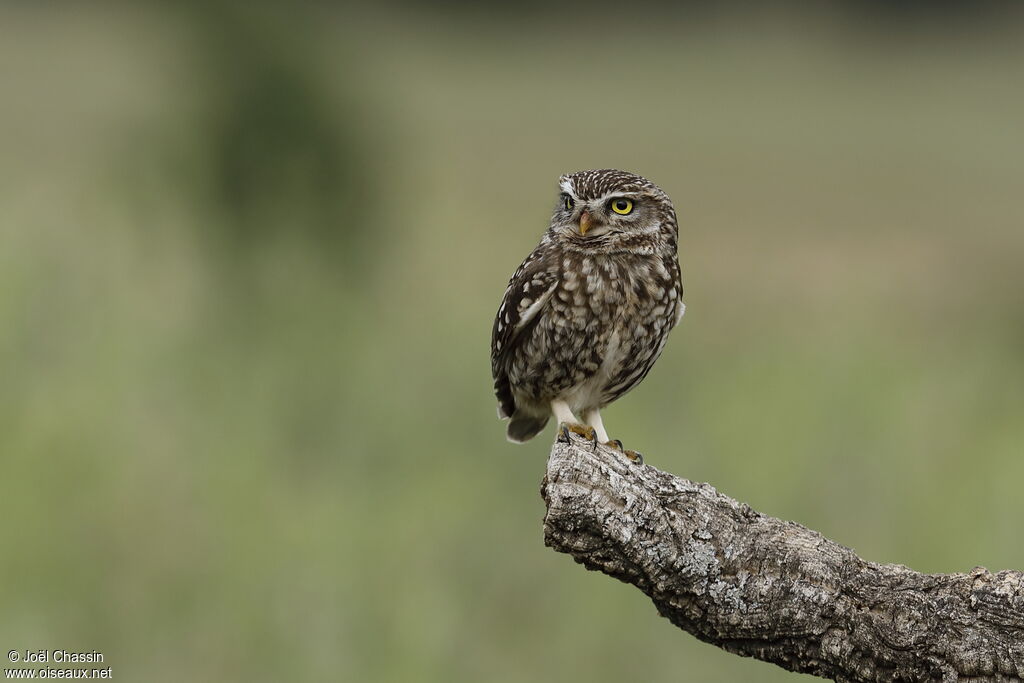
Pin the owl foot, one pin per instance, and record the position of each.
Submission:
(632, 455)
(588, 433)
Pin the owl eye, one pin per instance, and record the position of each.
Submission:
(569, 203)
(622, 206)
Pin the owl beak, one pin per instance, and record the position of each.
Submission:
(585, 222)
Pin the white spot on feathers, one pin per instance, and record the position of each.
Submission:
(679, 313)
(535, 307)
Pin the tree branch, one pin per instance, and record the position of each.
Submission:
(766, 588)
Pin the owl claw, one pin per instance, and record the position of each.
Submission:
(632, 455)
(588, 433)
(563, 434)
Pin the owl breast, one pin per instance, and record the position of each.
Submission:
(607, 322)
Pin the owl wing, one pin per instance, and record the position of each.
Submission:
(680, 306)
(526, 297)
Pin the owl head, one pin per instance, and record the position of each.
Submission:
(610, 210)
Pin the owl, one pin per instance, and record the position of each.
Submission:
(589, 311)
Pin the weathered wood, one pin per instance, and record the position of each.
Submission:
(775, 590)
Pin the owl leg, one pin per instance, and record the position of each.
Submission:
(593, 418)
(567, 422)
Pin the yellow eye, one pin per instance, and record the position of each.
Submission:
(568, 203)
(622, 206)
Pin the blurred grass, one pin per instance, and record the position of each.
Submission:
(262, 462)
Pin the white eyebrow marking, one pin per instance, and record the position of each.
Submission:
(634, 196)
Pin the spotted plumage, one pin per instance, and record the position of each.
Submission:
(587, 314)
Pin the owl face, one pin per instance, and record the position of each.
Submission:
(607, 209)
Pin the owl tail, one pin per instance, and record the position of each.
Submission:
(525, 426)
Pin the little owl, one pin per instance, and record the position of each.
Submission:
(588, 312)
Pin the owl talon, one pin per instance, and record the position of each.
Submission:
(563, 434)
(632, 455)
(588, 433)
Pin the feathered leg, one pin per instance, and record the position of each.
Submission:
(593, 418)
(567, 422)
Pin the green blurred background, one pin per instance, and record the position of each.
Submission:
(249, 259)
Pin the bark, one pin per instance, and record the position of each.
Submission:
(771, 589)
